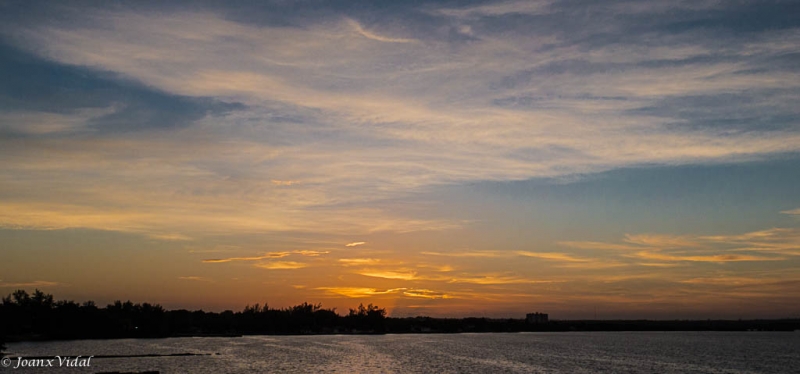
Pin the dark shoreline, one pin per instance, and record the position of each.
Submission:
(428, 325)
(38, 317)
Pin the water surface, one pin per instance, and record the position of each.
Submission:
(575, 352)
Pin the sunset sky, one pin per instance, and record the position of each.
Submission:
(617, 159)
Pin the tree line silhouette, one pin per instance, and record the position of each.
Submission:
(38, 316)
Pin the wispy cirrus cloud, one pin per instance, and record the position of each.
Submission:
(37, 283)
(194, 278)
(387, 274)
(657, 264)
(593, 264)
(784, 241)
(780, 242)
(373, 36)
(284, 183)
(768, 235)
(366, 292)
(703, 258)
(311, 253)
(436, 267)
(498, 9)
(281, 265)
(662, 241)
(269, 255)
(359, 261)
(170, 237)
(358, 292)
(556, 256)
(731, 281)
(598, 245)
(254, 258)
(355, 244)
(426, 294)
(486, 254)
(496, 279)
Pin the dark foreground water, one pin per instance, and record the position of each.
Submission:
(576, 352)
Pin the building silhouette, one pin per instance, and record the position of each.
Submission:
(536, 317)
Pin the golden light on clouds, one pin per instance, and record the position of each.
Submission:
(32, 284)
(358, 292)
(709, 258)
(309, 253)
(194, 278)
(284, 183)
(402, 275)
(359, 261)
(496, 279)
(281, 265)
(552, 256)
(256, 258)
(486, 254)
(426, 294)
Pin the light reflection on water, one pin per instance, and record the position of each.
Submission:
(576, 352)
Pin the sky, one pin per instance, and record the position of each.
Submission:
(614, 159)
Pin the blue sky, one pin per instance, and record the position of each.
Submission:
(489, 156)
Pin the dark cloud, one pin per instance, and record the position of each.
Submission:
(789, 62)
(593, 24)
(586, 67)
(33, 84)
(153, 110)
(739, 17)
(588, 24)
(30, 83)
(548, 101)
(755, 110)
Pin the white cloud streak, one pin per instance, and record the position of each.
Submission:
(370, 35)
(32, 284)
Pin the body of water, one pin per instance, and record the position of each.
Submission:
(575, 352)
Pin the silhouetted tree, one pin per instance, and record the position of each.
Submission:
(369, 318)
(21, 297)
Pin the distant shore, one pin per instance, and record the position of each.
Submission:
(37, 317)
(429, 325)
